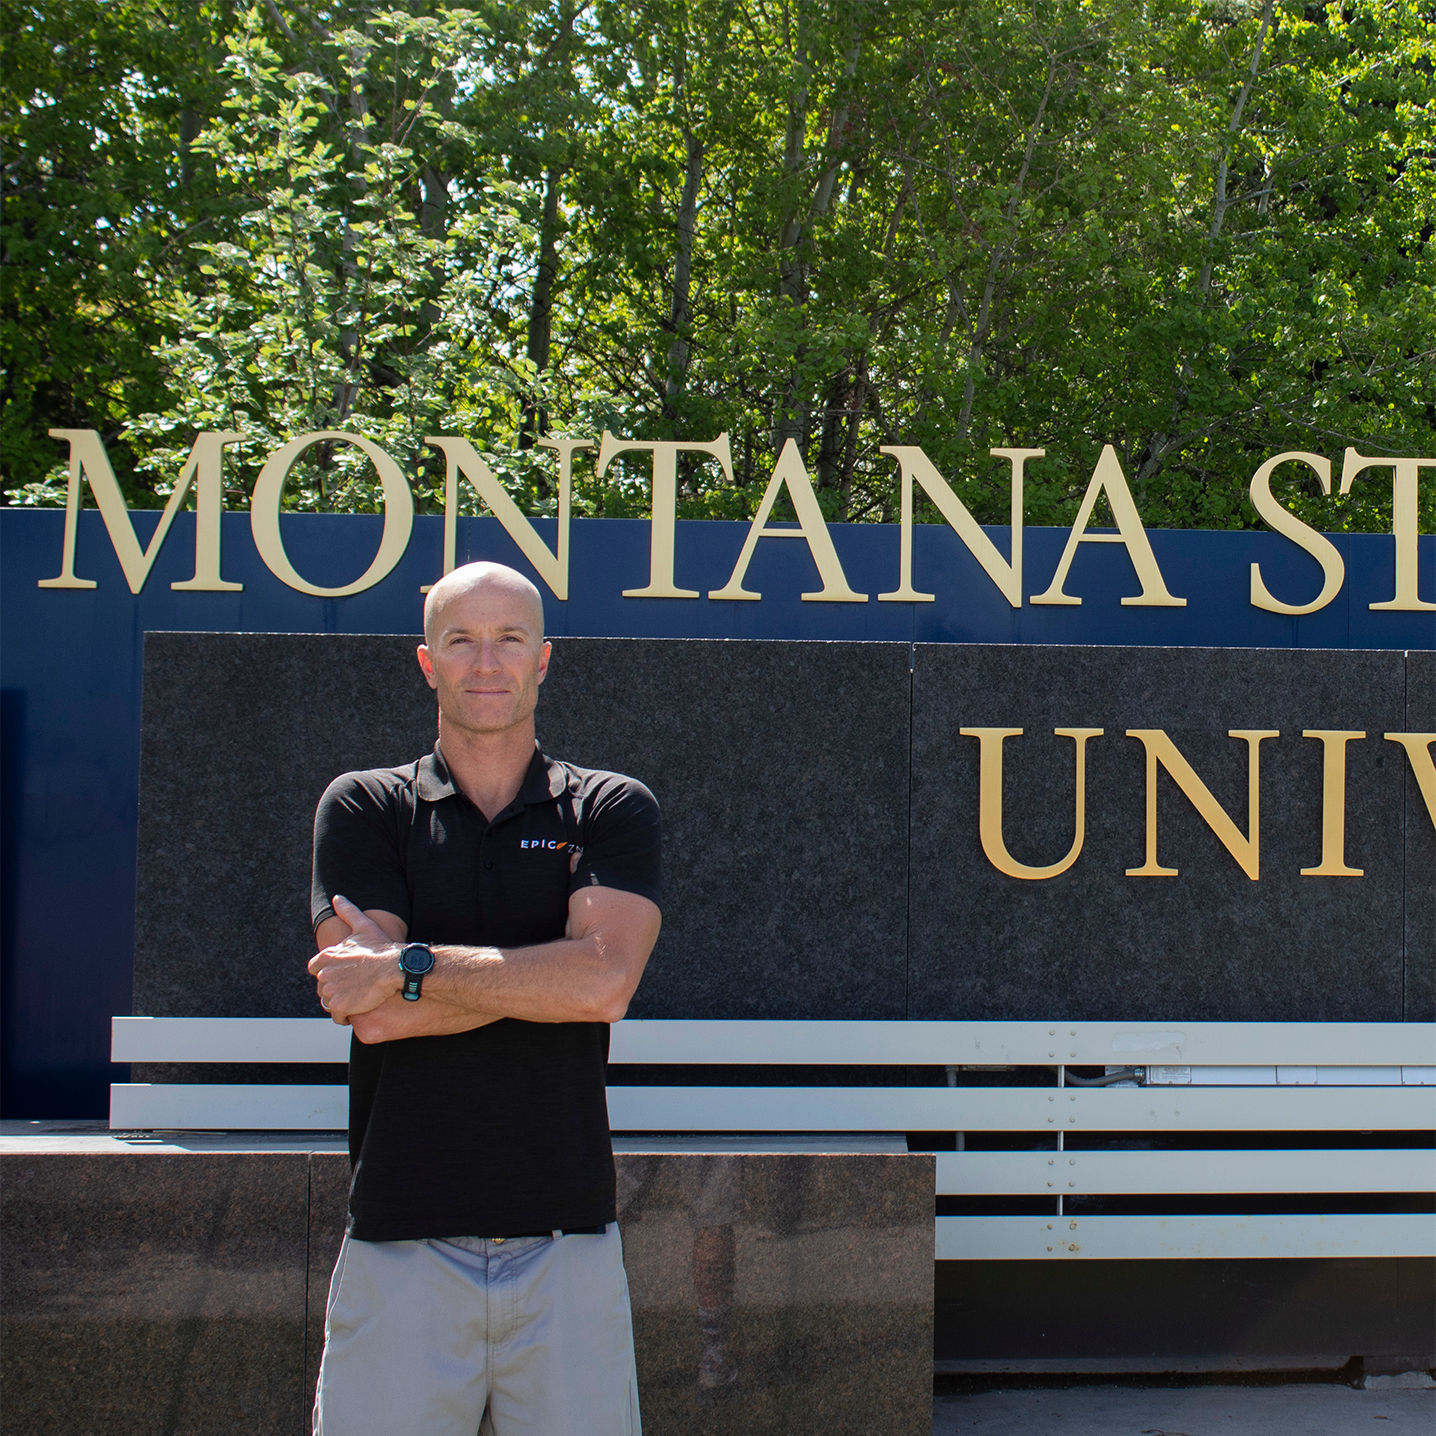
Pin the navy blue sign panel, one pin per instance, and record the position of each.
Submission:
(72, 668)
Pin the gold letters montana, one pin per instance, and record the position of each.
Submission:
(203, 471)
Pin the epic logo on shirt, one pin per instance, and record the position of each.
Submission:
(552, 844)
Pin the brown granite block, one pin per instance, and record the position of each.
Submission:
(154, 1293)
(780, 1293)
(328, 1212)
(184, 1292)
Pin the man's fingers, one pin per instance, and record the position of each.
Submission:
(347, 987)
(356, 917)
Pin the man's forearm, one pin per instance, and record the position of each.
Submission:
(568, 980)
(587, 976)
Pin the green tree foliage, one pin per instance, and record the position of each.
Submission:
(345, 299)
(101, 193)
(1200, 230)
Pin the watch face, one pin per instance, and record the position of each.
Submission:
(416, 959)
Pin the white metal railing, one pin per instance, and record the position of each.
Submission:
(1203, 1077)
(839, 1109)
(1078, 1173)
(1205, 1044)
(1132, 1238)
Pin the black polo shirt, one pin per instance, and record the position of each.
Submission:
(503, 1129)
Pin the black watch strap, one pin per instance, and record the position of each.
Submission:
(416, 960)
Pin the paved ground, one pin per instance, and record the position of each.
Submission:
(1186, 1411)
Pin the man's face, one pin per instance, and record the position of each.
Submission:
(486, 658)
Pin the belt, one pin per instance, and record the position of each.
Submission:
(567, 1231)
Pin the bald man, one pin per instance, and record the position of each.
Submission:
(482, 915)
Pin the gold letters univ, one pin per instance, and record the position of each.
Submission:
(1162, 752)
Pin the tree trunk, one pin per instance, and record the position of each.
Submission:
(832, 434)
(805, 209)
(982, 328)
(541, 310)
(1155, 451)
(1220, 202)
(346, 394)
(857, 402)
(678, 313)
(191, 122)
(434, 206)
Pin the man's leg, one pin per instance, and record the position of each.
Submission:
(405, 1341)
(561, 1339)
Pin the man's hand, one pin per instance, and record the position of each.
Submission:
(358, 974)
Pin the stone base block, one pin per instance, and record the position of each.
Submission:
(179, 1286)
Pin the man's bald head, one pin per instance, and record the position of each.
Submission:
(479, 581)
(484, 652)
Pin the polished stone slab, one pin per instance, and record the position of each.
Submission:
(780, 1292)
(240, 735)
(328, 1215)
(781, 769)
(154, 1292)
(173, 1286)
(784, 1291)
(1207, 945)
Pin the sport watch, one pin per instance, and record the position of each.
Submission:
(415, 960)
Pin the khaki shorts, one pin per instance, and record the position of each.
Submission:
(528, 1336)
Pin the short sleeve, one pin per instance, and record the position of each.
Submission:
(356, 849)
(622, 840)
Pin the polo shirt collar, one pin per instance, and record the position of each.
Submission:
(433, 779)
(544, 781)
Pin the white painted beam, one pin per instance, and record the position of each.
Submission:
(228, 1039)
(858, 1109)
(185, 1106)
(1134, 1238)
(1289, 1076)
(1180, 1173)
(1035, 1109)
(1327, 1045)
(1021, 1043)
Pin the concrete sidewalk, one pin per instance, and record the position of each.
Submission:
(1186, 1411)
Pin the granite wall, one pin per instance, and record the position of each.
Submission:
(1208, 944)
(240, 734)
(181, 1293)
(155, 1294)
(777, 797)
(822, 857)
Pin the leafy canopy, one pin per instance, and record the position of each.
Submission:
(1201, 232)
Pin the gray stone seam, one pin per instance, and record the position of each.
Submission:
(308, 1239)
(907, 874)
